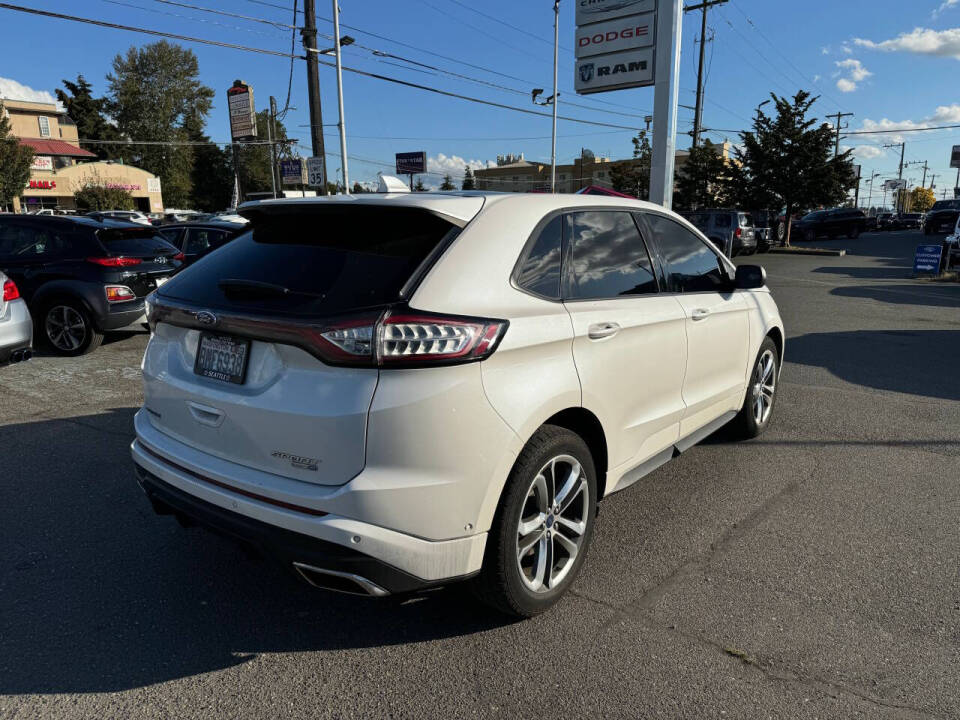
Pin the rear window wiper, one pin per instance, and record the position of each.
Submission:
(258, 287)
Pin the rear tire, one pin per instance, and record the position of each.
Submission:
(809, 236)
(761, 396)
(67, 329)
(543, 525)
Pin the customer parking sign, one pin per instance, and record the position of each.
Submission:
(927, 259)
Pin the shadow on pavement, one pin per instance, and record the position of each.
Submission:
(898, 272)
(930, 294)
(97, 594)
(917, 362)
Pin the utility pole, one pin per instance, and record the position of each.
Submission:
(836, 144)
(556, 53)
(933, 179)
(903, 146)
(271, 134)
(698, 110)
(856, 192)
(309, 35)
(341, 125)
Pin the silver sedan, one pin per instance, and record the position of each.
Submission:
(16, 325)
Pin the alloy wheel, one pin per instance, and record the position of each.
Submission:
(553, 523)
(65, 327)
(764, 387)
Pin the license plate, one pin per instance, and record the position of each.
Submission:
(222, 357)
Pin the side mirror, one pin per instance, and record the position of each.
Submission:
(750, 277)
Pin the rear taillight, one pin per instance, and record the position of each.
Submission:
(10, 291)
(119, 293)
(114, 261)
(406, 339)
(738, 232)
(179, 256)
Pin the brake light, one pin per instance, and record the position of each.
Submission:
(119, 293)
(10, 291)
(114, 261)
(179, 256)
(413, 339)
(738, 232)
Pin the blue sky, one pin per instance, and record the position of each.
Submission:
(893, 67)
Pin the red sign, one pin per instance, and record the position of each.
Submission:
(42, 185)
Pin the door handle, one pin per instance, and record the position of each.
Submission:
(700, 314)
(599, 331)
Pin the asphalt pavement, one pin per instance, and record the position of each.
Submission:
(811, 573)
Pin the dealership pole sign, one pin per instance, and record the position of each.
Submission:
(615, 44)
(243, 115)
(411, 163)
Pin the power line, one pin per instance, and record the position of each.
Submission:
(278, 53)
(293, 46)
(251, 18)
(185, 17)
(506, 24)
(896, 131)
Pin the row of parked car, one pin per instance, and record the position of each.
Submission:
(141, 218)
(69, 279)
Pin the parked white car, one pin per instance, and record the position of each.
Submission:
(134, 216)
(389, 392)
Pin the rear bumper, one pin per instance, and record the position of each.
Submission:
(193, 483)
(16, 327)
(121, 315)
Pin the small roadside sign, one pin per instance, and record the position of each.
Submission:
(315, 172)
(291, 171)
(927, 259)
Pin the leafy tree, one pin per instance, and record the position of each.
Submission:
(88, 113)
(255, 159)
(15, 162)
(95, 195)
(358, 189)
(447, 183)
(211, 175)
(787, 162)
(468, 181)
(155, 95)
(921, 199)
(633, 176)
(419, 186)
(701, 183)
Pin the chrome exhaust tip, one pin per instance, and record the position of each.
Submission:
(337, 581)
(27, 354)
(16, 356)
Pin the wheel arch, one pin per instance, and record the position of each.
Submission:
(64, 290)
(776, 334)
(584, 423)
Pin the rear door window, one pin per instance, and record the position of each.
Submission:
(608, 257)
(316, 261)
(540, 271)
(691, 266)
(199, 240)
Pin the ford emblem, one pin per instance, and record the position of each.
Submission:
(205, 317)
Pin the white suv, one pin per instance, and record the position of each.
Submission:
(390, 392)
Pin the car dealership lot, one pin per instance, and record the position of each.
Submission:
(810, 573)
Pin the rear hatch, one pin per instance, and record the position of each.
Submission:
(254, 397)
(152, 259)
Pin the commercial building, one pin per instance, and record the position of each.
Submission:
(61, 167)
(513, 173)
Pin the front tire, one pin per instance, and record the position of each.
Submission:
(754, 416)
(543, 525)
(68, 329)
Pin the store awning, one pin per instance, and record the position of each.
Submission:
(44, 146)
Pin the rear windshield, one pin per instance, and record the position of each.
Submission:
(133, 241)
(330, 260)
(946, 205)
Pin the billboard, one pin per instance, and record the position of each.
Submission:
(955, 157)
(615, 35)
(894, 184)
(243, 117)
(594, 11)
(292, 172)
(411, 163)
(614, 71)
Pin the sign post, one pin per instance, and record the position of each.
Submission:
(243, 125)
(293, 172)
(411, 163)
(315, 176)
(665, 98)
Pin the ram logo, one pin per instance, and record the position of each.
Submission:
(586, 72)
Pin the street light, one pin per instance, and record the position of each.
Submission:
(552, 100)
(870, 196)
(344, 41)
(758, 109)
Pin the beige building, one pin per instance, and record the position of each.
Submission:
(61, 167)
(515, 174)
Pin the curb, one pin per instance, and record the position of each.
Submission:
(806, 251)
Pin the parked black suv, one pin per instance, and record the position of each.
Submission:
(82, 277)
(831, 223)
(194, 239)
(942, 217)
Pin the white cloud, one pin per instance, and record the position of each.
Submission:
(868, 152)
(847, 50)
(945, 5)
(854, 72)
(825, 50)
(816, 78)
(922, 41)
(946, 113)
(452, 165)
(12, 90)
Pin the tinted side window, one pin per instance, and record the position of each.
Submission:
(722, 221)
(540, 272)
(608, 257)
(26, 241)
(691, 266)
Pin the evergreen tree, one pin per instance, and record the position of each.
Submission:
(787, 162)
(701, 183)
(358, 189)
(447, 183)
(155, 95)
(15, 162)
(468, 181)
(633, 176)
(256, 160)
(419, 186)
(88, 114)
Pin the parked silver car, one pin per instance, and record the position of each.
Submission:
(16, 325)
(731, 231)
